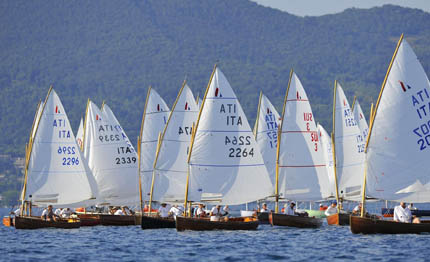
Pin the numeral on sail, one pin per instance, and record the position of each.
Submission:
(240, 152)
(70, 161)
(241, 140)
(125, 160)
(423, 132)
(109, 138)
(186, 130)
(66, 150)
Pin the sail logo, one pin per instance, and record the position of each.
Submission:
(403, 86)
(187, 107)
(98, 117)
(217, 92)
(57, 111)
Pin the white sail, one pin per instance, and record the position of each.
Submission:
(349, 148)
(325, 140)
(110, 157)
(154, 119)
(301, 168)
(171, 166)
(361, 120)
(80, 135)
(56, 173)
(398, 149)
(225, 162)
(266, 134)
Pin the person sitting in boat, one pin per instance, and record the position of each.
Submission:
(200, 211)
(357, 209)
(332, 209)
(402, 213)
(66, 213)
(120, 211)
(163, 211)
(412, 207)
(226, 210)
(216, 213)
(58, 211)
(323, 208)
(175, 211)
(290, 209)
(48, 214)
(264, 208)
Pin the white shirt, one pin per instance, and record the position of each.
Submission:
(66, 213)
(58, 211)
(289, 211)
(163, 211)
(119, 213)
(200, 211)
(264, 210)
(356, 209)
(402, 214)
(175, 211)
(45, 212)
(331, 211)
(216, 212)
(17, 212)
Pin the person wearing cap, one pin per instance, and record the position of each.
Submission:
(332, 209)
(163, 211)
(290, 209)
(264, 208)
(48, 214)
(200, 212)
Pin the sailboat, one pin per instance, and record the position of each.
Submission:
(80, 135)
(154, 119)
(300, 167)
(170, 165)
(398, 144)
(55, 173)
(360, 119)
(225, 165)
(113, 162)
(348, 154)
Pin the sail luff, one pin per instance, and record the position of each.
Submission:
(333, 141)
(85, 125)
(258, 116)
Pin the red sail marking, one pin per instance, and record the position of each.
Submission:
(216, 92)
(403, 86)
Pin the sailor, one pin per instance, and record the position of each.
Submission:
(357, 209)
(48, 214)
(175, 211)
(226, 210)
(163, 211)
(402, 213)
(264, 208)
(65, 213)
(290, 209)
(412, 207)
(332, 209)
(119, 211)
(58, 211)
(200, 211)
(216, 213)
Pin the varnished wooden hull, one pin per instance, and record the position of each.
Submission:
(203, 224)
(8, 221)
(364, 225)
(114, 220)
(263, 218)
(338, 219)
(277, 219)
(37, 222)
(89, 220)
(157, 222)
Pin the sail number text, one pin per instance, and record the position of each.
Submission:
(239, 141)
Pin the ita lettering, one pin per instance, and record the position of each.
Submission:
(272, 129)
(420, 100)
(230, 110)
(60, 124)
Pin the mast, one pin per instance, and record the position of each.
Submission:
(188, 174)
(195, 131)
(334, 145)
(29, 149)
(353, 103)
(153, 173)
(258, 116)
(363, 197)
(139, 149)
(278, 147)
(85, 125)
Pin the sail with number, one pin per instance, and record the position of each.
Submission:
(325, 140)
(55, 172)
(301, 167)
(361, 120)
(348, 147)
(170, 167)
(110, 157)
(398, 146)
(154, 119)
(225, 162)
(266, 133)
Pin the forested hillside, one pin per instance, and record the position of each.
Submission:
(113, 50)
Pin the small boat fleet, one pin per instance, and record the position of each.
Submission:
(205, 151)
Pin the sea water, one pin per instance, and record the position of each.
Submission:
(130, 243)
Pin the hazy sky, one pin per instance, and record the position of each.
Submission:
(322, 7)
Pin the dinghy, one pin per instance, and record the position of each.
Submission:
(398, 144)
(225, 164)
(170, 164)
(300, 167)
(55, 173)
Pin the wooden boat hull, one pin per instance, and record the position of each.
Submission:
(89, 220)
(338, 219)
(364, 225)
(37, 222)
(277, 219)
(8, 221)
(149, 222)
(263, 218)
(203, 224)
(115, 220)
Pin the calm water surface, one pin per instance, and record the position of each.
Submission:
(267, 243)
